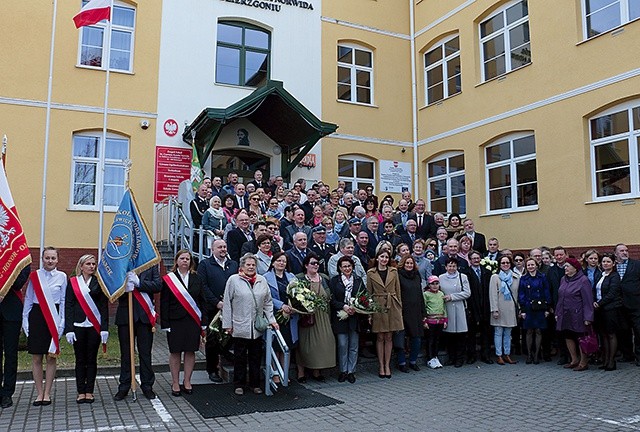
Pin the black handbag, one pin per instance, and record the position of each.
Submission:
(538, 305)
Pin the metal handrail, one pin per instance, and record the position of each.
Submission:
(272, 365)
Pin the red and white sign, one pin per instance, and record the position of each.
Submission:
(309, 161)
(170, 127)
(173, 166)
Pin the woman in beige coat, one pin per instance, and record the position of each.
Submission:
(503, 294)
(384, 285)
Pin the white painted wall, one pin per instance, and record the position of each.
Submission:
(187, 62)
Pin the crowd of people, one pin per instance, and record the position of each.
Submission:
(437, 282)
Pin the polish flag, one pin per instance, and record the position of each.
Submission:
(94, 11)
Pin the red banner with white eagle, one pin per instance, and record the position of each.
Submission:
(14, 253)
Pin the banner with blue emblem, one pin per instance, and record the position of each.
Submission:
(129, 248)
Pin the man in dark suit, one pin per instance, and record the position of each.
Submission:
(401, 217)
(629, 271)
(480, 308)
(214, 272)
(259, 228)
(478, 240)
(238, 236)
(148, 282)
(411, 233)
(452, 252)
(298, 225)
(320, 247)
(297, 254)
(10, 323)
(197, 207)
(257, 181)
(363, 250)
(425, 222)
(240, 199)
(372, 231)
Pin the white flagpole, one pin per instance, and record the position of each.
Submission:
(47, 129)
(100, 180)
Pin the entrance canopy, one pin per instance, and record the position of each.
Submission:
(275, 112)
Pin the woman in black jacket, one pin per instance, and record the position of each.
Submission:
(413, 312)
(608, 305)
(86, 324)
(345, 286)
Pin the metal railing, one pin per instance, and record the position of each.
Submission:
(272, 365)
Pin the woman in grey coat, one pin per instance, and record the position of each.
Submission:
(503, 295)
(241, 295)
(456, 289)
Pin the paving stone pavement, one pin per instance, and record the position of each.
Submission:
(480, 397)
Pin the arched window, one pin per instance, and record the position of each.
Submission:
(446, 191)
(243, 54)
(93, 38)
(442, 70)
(85, 179)
(355, 74)
(511, 176)
(357, 172)
(615, 138)
(504, 40)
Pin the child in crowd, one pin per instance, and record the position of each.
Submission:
(436, 320)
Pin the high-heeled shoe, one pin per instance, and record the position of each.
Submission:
(571, 365)
(611, 368)
(581, 368)
(186, 390)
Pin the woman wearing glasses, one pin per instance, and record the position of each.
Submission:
(503, 294)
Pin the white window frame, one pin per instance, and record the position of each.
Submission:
(98, 163)
(632, 137)
(353, 69)
(355, 179)
(114, 28)
(512, 164)
(442, 63)
(447, 176)
(504, 31)
(624, 16)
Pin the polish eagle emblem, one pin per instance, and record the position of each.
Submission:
(5, 232)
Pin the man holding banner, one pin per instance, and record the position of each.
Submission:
(129, 252)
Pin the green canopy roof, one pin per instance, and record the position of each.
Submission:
(274, 111)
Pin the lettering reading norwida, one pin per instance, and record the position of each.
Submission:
(273, 5)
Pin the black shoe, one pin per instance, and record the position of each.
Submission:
(414, 367)
(471, 360)
(546, 358)
(215, 378)
(562, 361)
(637, 362)
(529, 360)
(403, 368)
(320, 378)
(46, 402)
(303, 379)
(176, 393)
(185, 390)
(37, 403)
(148, 393)
(351, 378)
(341, 378)
(6, 402)
(120, 395)
(459, 364)
(487, 360)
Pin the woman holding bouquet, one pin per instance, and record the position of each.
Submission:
(317, 346)
(344, 287)
(278, 279)
(384, 285)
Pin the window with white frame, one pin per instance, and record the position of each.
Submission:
(442, 70)
(504, 40)
(356, 172)
(615, 144)
(93, 38)
(601, 16)
(85, 180)
(446, 192)
(511, 175)
(355, 74)
(242, 54)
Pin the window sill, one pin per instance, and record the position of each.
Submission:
(79, 66)
(503, 76)
(356, 103)
(92, 210)
(440, 102)
(617, 30)
(506, 213)
(623, 200)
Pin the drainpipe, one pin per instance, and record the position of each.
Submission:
(414, 99)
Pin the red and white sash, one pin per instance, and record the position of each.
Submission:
(147, 305)
(183, 296)
(48, 308)
(86, 302)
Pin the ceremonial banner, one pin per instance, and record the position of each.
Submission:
(197, 175)
(129, 248)
(14, 253)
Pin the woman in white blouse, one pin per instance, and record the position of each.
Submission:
(52, 285)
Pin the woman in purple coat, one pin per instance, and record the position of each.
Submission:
(574, 311)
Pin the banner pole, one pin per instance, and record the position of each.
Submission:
(131, 350)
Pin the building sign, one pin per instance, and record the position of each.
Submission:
(170, 127)
(395, 176)
(173, 166)
(273, 5)
(308, 161)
